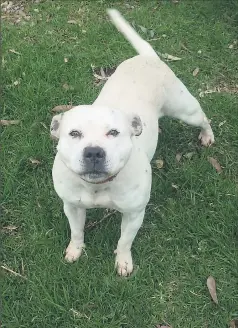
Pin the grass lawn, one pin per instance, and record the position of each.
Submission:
(191, 225)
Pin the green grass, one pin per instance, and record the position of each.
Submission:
(188, 234)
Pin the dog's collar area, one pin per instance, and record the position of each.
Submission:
(101, 182)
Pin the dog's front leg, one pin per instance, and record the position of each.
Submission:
(131, 223)
(76, 217)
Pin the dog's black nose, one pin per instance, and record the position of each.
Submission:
(94, 154)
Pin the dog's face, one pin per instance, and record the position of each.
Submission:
(95, 142)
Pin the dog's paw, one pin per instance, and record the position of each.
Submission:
(73, 252)
(206, 138)
(124, 263)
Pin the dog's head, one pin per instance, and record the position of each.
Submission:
(95, 142)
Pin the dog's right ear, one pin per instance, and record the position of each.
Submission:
(55, 126)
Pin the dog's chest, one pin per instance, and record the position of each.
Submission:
(92, 198)
(96, 198)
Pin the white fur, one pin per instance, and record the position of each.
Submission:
(143, 86)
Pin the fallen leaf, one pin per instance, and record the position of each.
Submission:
(211, 285)
(208, 91)
(62, 108)
(231, 46)
(170, 57)
(34, 161)
(102, 74)
(10, 228)
(97, 76)
(152, 33)
(222, 123)
(143, 29)
(189, 155)
(9, 122)
(67, 87)
(215, 164)
(175, 186)
(196, 71)
(66, 60)
(184, 47)
(14, 51)
(129, 6)
(178, 157)
(71, 21)
(163, 326)
(234, 323)
(159, 163)
(17, 82)
(43, 124)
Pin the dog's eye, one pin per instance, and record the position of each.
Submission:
(113, 133)
(75, 134)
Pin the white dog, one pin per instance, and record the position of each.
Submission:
(105, 149)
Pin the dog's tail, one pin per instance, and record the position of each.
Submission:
(140, 45)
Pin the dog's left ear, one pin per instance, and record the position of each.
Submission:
(136, 125)
(55, 126)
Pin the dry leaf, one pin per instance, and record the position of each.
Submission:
(10, 228)
(234, 323)
(215, 164)
(14, 51)
(97, 76)
(170, 57)
(189, 155)
(34, 161)
(66, 60)
(196, 71)
(9, 122)
(211, 285)
(175, 186)
(71, 21)
(62, 108)
(178, 157)
(17, 82)
(43, 124)
(163, 326)
(67, 87)
(159, 163)
(102, 74)
(231, 46)
(222, 123)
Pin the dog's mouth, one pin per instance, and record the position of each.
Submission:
(97, 177)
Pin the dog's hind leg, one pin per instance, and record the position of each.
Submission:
(182, 105)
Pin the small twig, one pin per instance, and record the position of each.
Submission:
(93, 224)
(154, 39)
(13, 272)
